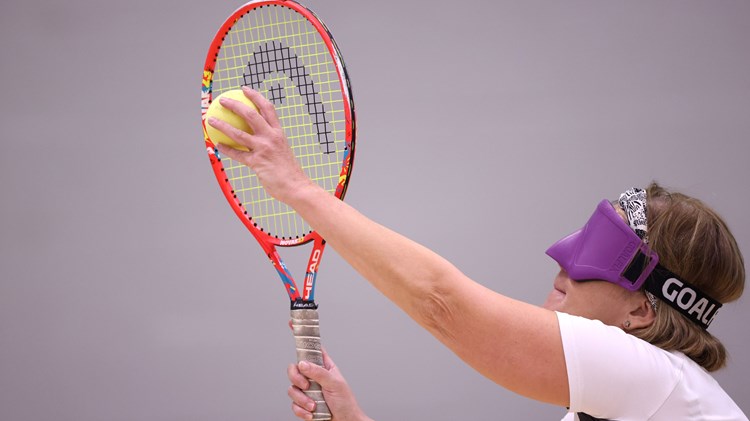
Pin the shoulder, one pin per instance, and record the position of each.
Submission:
(609, 370)
(612, 374)
(591, 338)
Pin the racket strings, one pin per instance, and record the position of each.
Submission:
(276, 58)
(278, 52)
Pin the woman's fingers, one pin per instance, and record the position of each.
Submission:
(265, 107)
(301, 412)
(298, 380)
(257, 123)
(239, 136)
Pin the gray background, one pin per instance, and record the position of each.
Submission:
(487, 130)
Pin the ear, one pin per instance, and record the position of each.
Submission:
(641, 313)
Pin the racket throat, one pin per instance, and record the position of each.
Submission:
(300, 304)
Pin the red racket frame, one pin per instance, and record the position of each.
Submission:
(299, 298)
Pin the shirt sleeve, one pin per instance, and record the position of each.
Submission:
(612, 374)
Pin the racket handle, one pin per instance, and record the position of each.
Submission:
(306, 328)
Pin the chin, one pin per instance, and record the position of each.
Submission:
(555, 300)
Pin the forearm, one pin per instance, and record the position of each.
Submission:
(404, 271)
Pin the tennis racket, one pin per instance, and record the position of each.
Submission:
(282, 50)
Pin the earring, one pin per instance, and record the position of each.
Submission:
(627, 324)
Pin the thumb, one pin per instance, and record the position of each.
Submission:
(316, 373)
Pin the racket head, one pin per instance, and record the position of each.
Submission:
(281, 49)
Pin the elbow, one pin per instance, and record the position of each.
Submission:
(438, 313)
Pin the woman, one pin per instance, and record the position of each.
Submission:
(633, 328)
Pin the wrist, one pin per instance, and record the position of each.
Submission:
(303, 195)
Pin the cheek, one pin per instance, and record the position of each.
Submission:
(590, 299)
(580, 303)
(602, 301)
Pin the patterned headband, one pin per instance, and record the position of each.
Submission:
(690, 301)
(633, 203)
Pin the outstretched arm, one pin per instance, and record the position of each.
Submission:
(515, 344)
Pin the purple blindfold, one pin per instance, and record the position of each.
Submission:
(606, 248)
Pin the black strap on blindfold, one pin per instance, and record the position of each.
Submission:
(687, 299)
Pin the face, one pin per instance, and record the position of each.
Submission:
(600, 300)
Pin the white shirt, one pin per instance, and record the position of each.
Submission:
(614, 375)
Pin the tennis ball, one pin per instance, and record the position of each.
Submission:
(218, 111)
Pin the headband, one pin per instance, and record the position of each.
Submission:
(690, 301)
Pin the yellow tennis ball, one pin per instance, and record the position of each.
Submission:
(218, 111)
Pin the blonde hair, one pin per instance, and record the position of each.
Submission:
(695, 243)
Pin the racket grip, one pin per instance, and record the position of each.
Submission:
(306, 328)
